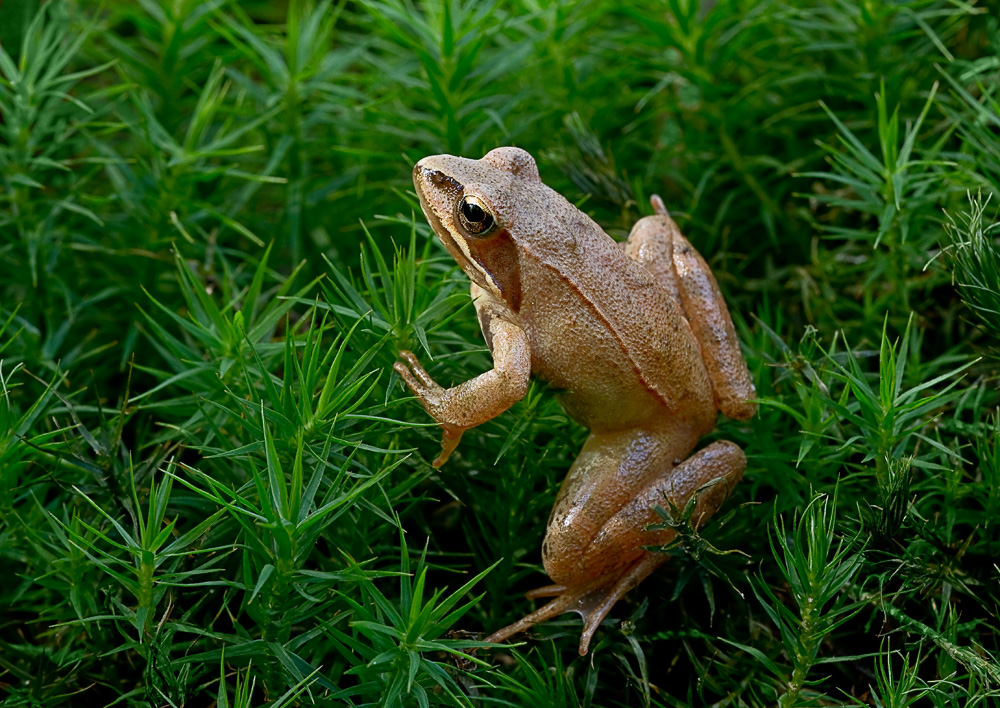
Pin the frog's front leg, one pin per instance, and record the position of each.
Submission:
(488, 395)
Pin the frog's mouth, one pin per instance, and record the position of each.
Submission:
(448, 190)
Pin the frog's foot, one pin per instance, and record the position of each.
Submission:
(615, 560)
(431, 395)
(593, 604)
(415, 376)
(476, 401)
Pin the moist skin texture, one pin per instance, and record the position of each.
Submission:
(636, 336)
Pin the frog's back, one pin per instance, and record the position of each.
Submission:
(603, 329)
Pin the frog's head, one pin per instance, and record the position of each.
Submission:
(469, 204)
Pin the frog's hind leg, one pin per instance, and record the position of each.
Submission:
(708, 476)
(658, 245)
(651, 245)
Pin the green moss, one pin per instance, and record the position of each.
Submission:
(211, 481)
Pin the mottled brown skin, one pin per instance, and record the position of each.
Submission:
(639, 341)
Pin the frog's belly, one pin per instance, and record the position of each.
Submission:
(575, 352)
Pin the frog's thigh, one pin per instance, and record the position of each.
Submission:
(651, 245)
(713, 470)
(658, 245)
(705, 309)
(611, 470)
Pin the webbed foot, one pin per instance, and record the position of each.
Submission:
(592, 604)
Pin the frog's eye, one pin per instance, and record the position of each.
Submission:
(474, 216)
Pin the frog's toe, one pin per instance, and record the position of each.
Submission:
(592, 604)
(597, 604)
(546, 591)
(418, 371)
(551, 609)
(404, 373)
(450, 437)
(423, 387)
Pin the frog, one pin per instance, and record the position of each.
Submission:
(634, 336)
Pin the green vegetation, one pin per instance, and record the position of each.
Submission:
(213, 488)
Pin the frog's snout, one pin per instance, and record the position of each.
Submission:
(431, 177)
(422, 171)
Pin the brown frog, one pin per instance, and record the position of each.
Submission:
(636, 336)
